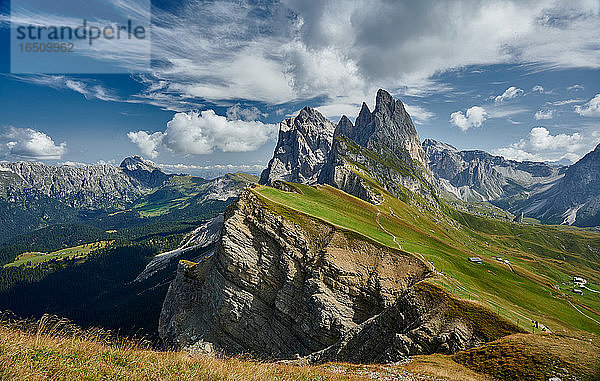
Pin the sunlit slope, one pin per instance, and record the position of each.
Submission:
(541, 257)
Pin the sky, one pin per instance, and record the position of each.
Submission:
(205, 89)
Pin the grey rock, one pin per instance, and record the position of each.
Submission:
(479, 176)
(303, 145)
(275, 290)
(203, 236)
(574, 199)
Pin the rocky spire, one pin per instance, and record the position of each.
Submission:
(389, 126)
(302, 148)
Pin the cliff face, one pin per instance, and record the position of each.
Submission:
(282, 289)
(382, 145)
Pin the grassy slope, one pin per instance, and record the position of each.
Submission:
(541, 256)
(34, 258)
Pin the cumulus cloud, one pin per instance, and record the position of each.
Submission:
(591, 108)
(537, 88)
(541, 145)
(27, 143)
(193, 133)
(510, 93)
(148, 143)
(544, 114)
(474, 117)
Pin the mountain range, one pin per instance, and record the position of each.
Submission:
(348, 250)
(358, 243)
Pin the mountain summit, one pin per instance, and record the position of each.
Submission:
(382, 144)
(302, 148)
(388, 127)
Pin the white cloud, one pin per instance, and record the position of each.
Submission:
(341, 51)
(591, 108)
(148, 143)
(31, 144)
(544, 114)
(510, 93)
(61, 82)
(540, 139)
(537, 88)
(566, 102)
(194, 133)
(418, 113)
(475, 116)
(575, 87)
(336, 110)
(541, 145)
(513, 153)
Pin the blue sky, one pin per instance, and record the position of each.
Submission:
(519, 79)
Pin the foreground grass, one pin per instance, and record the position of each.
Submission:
(49, 351)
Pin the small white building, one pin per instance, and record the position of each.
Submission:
(578, 291)
(475, 260)
(579, 280)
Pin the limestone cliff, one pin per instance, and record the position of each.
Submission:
(287, 287)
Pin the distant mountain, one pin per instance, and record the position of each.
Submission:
(549, 192)
(35, 195)
(574, 199)
(479, 176)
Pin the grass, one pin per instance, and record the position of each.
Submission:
(541, 257)
(33, 259)
(536, 357)
(54, 349)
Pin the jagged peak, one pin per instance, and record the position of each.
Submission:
(136, 162)
(344, 127)
(384, 100)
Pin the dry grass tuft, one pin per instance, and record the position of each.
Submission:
(53, 348)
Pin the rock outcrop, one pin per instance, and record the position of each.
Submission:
(200, 238)
(283, 287)
(302, 148)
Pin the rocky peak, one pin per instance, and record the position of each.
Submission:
(302, 148)
(144, 171)
(133, 163)
(389, 127)
(344, 127)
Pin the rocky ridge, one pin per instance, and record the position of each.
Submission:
(479, 176)
(282, 288)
